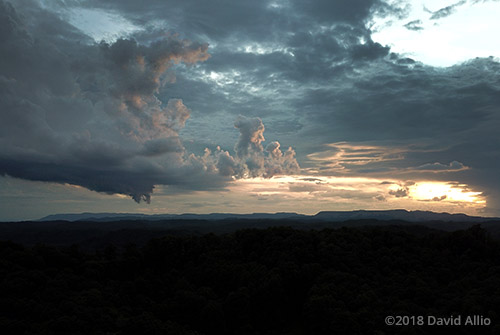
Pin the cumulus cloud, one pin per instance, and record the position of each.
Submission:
(441, 198)
(251, 136)
(251, 159)
(401, 192)
(77, 112)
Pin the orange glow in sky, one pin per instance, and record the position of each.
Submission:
(350, 193)
(445, 191)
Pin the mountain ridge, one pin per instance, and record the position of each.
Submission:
(337, 216)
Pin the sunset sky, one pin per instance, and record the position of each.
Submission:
(236, 106)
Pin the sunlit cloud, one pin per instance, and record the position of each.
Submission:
(343, 156)
(452, 192)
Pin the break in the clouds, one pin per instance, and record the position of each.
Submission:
(178, 94)
(440, 33)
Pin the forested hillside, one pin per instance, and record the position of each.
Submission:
(273, 281)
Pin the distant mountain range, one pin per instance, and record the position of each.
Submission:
(165, 217)
(96, 230)
(331, 216)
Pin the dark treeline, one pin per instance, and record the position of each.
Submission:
(92, 235)
(272, 281)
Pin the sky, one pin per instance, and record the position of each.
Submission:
(249, 106)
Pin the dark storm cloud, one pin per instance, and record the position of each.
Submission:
(89, 114)
(326, 53)
(256, 20)
(393, 101)
(162, 145)
(196, 18)
(348, 11)
(319, 34)
(75, 113)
